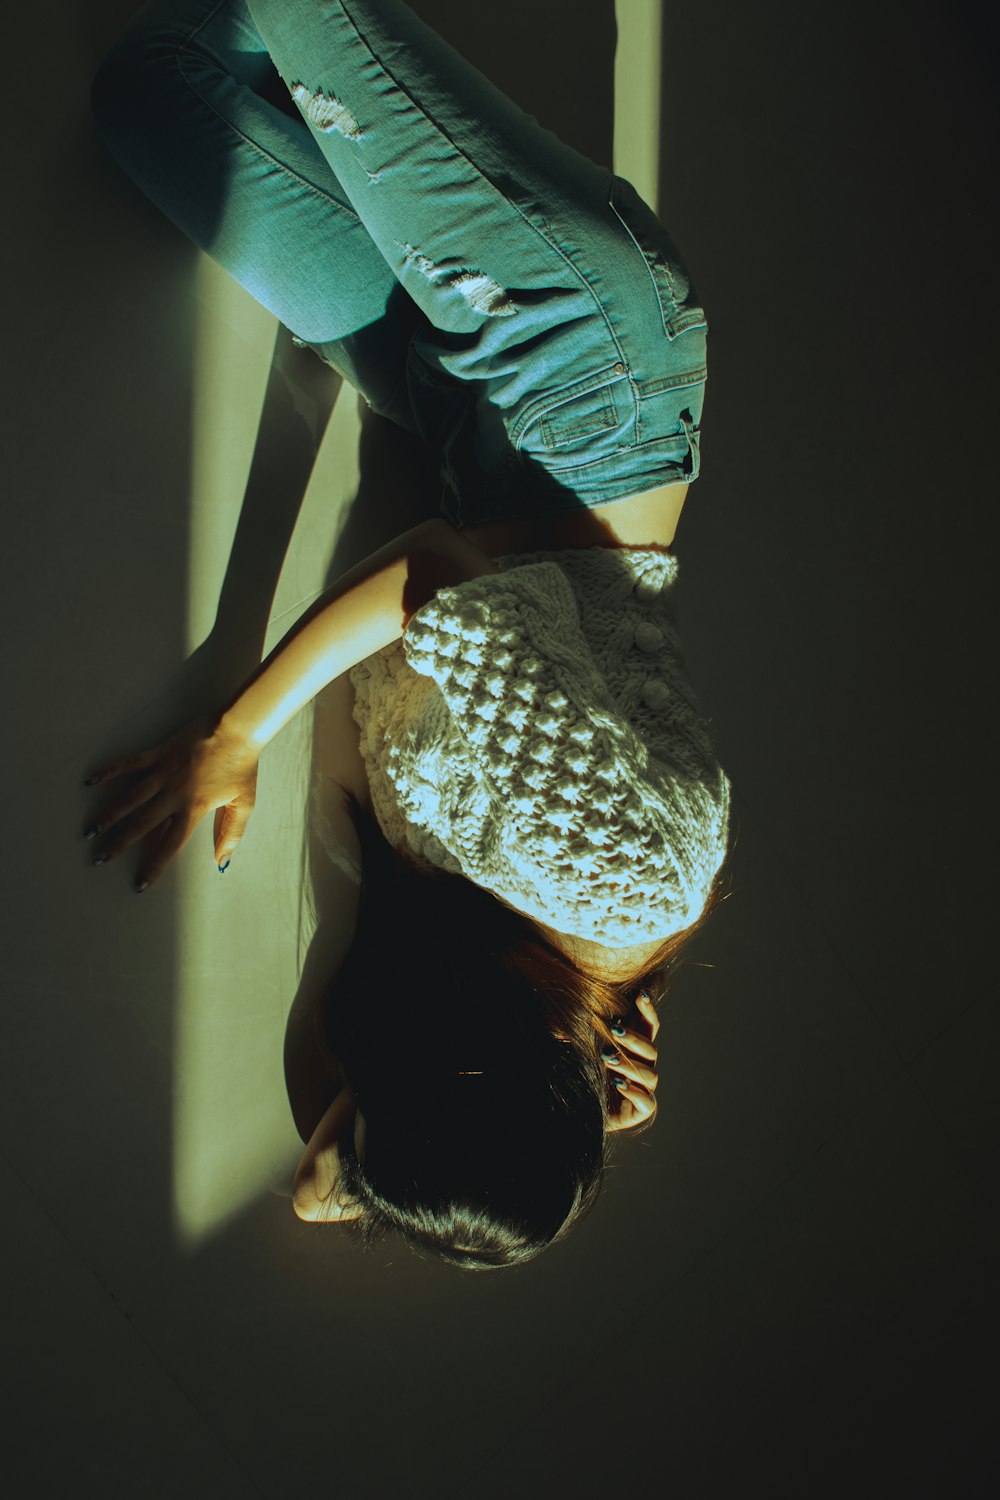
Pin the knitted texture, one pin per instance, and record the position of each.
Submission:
(535, 731)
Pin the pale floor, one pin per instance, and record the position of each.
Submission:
(787, 1286)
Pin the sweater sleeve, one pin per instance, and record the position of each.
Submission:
(589, 832)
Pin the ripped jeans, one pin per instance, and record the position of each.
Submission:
(478, 281)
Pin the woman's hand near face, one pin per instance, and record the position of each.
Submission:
(170, 788)
(315, 1191)
(633, 1072)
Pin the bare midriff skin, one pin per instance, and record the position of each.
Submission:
(647, 520)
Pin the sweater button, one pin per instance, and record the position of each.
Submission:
(619, 369)
(648, 637)
(656, 694)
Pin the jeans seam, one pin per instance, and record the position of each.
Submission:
(676, 318)
(486, 177)
(310, 187)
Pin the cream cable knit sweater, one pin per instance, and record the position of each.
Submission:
(534, 730)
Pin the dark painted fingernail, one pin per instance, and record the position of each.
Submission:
(621, 1083)
(141, 886)
(91, 780)
(618, 1028)
(91, 833)
(101, 858)
(224, 868)
(609, 1052)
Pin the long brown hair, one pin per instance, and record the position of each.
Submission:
(583, 1005)
(473, 1044)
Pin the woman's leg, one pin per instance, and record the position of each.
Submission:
(485, 217)
(418, 206)
(181, 103)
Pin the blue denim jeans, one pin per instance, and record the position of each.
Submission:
(478, 281)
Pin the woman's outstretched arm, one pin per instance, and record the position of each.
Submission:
(212, 762)
(366, 609)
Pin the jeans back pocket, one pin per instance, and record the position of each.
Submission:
(583, 417)
(585, 420)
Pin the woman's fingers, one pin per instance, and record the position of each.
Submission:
(124, 767)
(633, 1070)
(174, 836)
(150, 815)
(647, 1009)
(643, 1106)
(637, 1108)
(126, 804)
(636, 1043)
(629, 1040)
(198, 768)
(230, 825)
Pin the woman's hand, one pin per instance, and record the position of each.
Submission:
(201, 767)
(633, 1071)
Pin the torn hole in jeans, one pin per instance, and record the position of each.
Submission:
(325, 112)
(481, 292)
